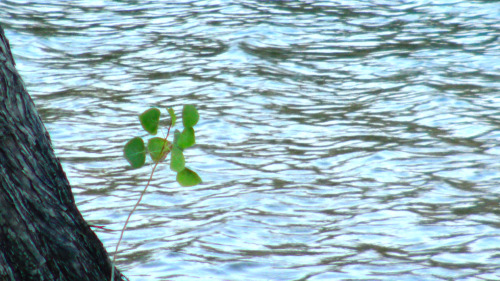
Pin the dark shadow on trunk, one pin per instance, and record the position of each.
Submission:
(43, 236)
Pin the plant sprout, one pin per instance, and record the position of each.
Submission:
(158, 148)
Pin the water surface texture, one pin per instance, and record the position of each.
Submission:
(338, 140)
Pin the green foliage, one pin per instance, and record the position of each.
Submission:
(173, 118)
(150, 119)
(159, 148)
(177, 134)
(186, 138)
(135, 152)
(188, 178)
(177, 161)
(189, 116)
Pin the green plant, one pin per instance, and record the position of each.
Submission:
(158, 149)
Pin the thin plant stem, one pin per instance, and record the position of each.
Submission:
(133, 210)
(128, 219)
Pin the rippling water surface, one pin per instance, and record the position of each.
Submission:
(339, 140)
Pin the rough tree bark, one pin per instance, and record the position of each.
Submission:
(43, 236)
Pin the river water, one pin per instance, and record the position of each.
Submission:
(338, 140)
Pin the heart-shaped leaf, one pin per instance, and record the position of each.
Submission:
(158, 149)
(135, 152)
(186, 138)
(189, 116)
(187, 177)
(150, 119)
(177, 160)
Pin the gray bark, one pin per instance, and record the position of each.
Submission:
(43, 236)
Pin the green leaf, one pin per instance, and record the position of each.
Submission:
(186, 138)
(135, 152)
(177, 160)
(189, 116)
(158, 149)
(187, 177)
(150, 119)
(172, 116)
(177, 135)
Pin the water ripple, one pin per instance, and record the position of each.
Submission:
(338, 140)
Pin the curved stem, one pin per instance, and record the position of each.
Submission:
(133, 210)
(128, 219)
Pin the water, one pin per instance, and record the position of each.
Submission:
(338, 140)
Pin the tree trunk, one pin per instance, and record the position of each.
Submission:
(43, 236)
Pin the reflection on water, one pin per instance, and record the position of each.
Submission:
(339, 140)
